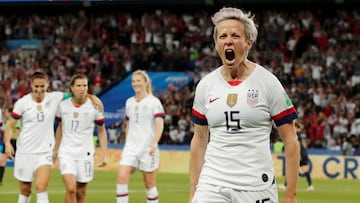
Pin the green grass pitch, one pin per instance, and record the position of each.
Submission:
(173, 188)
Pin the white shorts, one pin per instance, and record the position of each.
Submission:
(217, 194)
(142, 161)
(83, 170)
(25, 165)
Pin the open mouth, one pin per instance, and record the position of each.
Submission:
(229, 54)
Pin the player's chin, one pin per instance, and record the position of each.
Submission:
(229, 64)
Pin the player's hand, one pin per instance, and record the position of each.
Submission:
(152, 149)
(9, 151)
(96, 102)
(54, 156)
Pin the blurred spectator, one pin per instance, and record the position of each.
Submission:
(113, 134)
(355, 126)
(177, 134)
(347, 147)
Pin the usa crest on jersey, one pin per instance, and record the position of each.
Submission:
(252, 97)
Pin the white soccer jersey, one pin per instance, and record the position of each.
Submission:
(78, 124)
(141, 120)
(240, 119)
(37, 130)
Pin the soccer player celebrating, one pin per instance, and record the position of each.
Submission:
(74, 139)
(233, 112)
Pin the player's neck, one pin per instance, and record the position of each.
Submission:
(37, 98)
(238, 74)
(78, 101)
(140, 95)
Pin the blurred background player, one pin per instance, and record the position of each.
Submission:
(14, 135)
(145, 124)
(15, 132)
(3, 157)
(74, 139)
(33, 159)
(304, 157)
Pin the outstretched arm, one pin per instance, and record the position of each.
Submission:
(96, 101)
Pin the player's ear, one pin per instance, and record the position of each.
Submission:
(248, 44)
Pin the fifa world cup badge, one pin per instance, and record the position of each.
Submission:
(231, 100)
(76, 114)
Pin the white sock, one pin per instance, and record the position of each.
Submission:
(152, 195)
(23, 199)
(42, 197)
(122, 193)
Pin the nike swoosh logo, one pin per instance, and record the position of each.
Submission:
(212, 100)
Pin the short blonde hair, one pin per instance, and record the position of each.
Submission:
(247, 19)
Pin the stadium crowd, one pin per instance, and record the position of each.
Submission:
(314, 53)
